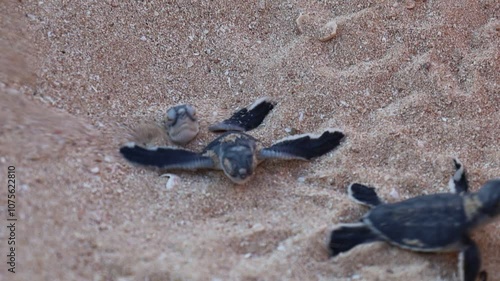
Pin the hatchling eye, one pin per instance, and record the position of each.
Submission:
(191, 110)
(171, 114)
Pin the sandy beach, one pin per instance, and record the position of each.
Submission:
(411, 83)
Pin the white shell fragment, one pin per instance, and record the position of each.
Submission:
(173, 181)
(258, 227)
(394, 194)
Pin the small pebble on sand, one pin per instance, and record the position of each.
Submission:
(301, 21)
(328, 31)
(410, 4)
(314, 26)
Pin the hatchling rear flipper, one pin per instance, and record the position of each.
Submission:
(348, 235)
(303, 147)
(469, 262)
(458, 182)
(166, 157)
(364, 195)
(247, 118)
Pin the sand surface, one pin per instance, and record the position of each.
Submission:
(412, 84)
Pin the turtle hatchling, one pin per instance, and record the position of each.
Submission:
(428, 223)
(235, 152)
(181, 124)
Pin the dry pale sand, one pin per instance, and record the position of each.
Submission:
(412, 83)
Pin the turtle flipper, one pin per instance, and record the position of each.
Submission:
(364, 195)
(458, 182)
(303, 147)
(247, 118)
(166, 157)
(347, 236)
(469, 261)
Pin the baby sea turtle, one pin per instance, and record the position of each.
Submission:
(235, 152)
(180, 127)
(181, 124)
(427, 223)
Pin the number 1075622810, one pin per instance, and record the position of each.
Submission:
(11, 196)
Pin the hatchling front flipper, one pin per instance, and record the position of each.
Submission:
(303, 147)
(458, 182)
(166, 157)
(364, 195)
(247, 118)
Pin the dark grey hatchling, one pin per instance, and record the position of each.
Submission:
(428, 223)
(235, 152)
(181, 124)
